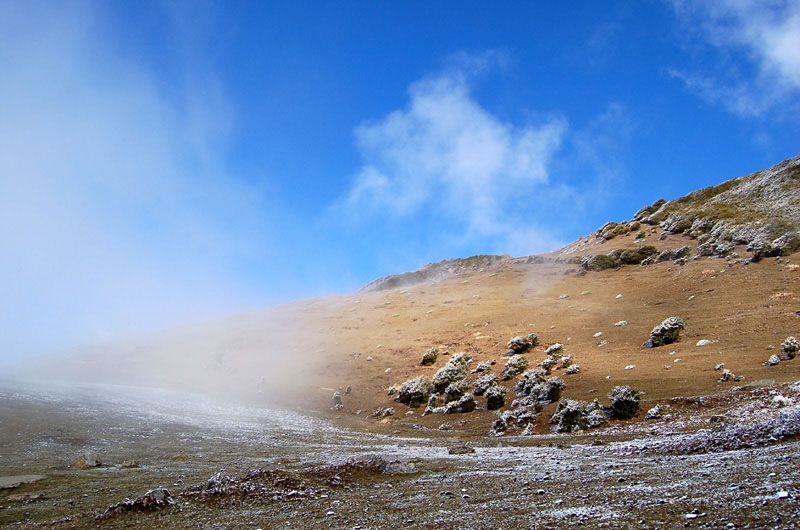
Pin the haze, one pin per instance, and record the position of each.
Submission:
(165, 163)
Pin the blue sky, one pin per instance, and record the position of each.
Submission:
(164, 162)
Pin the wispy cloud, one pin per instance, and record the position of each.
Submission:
(445, 152)
(765, 34)
(116, 213)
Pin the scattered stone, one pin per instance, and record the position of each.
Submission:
(429, 357)
(654, 413)
(152, 500)
(461, 449)
(630, 367)
(667, 332)
(624, 402)
(598, 334)
(348, 389)
(515, 366)
(388, 412)
(618, 296)
(781, 401)
(703, 342)
(337, 400)
(415, 392)
(720, 366)
(621, 323)
(727, 375)
(773, 360)
(86, 461)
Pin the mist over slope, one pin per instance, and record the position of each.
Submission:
(700, 257)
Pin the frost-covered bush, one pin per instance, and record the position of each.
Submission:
(484, 383)
(455, 390)
(495, 397)
(522, 344)
(415, 392)
(429, 357)
(791, 346)
(624, 402)
(515, 366)
(667, 332)
(530, 379)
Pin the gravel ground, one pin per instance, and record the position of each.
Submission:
(637, 475)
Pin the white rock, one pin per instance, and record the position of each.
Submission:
(621, 323)
(598, 334)
(703, 342)
(618, 296)
(630, 367)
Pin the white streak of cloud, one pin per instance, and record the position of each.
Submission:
(768, 33)
(444, 151)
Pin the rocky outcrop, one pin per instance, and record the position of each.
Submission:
(433, 272)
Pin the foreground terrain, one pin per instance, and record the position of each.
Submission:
(300, 415)
(319, 474)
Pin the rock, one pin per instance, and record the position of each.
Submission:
(598, 334)
(573, 369)
(415, 392)
(703, 342)
(348, 389)
(429, 357)
(780, 401)
(152, 500)
(667, 332)
(484, 382)
(129, 464)
(522, 344)
(630, 367)
(495, 397)
(388, 465)
(388, 412)
(462, 449)
(515, 366)
(337, 399)
(624, 402)
(654, 413)
(720, 366)
(790, 347)
(727, 375)
(621, 323)
(11, 482)
(86, 461)
(773, 360)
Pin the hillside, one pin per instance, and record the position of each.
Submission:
(723, 259)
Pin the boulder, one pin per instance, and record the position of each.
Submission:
(87, 461)
(667, 332)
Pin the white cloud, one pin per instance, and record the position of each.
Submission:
(767, 32)
(444, 151)
(116, 214)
